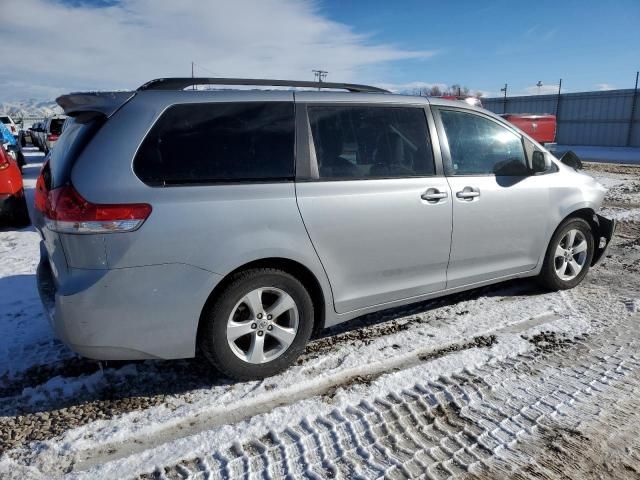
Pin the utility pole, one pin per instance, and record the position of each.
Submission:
(504, 104)
(633, 111)
(319, 75)
(194, 85)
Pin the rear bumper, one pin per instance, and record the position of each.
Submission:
(606, 229)
(128, 313)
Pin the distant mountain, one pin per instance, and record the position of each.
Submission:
(30, 108)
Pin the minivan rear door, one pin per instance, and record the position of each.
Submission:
(374, 202)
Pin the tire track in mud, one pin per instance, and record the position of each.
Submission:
(542, 414)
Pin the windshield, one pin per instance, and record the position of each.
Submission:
(5, 119)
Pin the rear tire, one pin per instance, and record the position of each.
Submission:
(568, 256)
(20, 213)
(239, 336)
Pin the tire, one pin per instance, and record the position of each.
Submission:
(21, 160)
(232, 310)
(19, 216)
(15, 213)
(550, 276)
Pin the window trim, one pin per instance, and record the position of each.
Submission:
(446, 152)
(207, 183)
(307, 164)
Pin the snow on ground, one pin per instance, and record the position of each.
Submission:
(328, 415)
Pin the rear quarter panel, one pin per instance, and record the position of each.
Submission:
(217, 228)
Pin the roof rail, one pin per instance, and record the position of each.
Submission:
(180, 83)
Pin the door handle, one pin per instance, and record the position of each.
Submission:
(468, 193)
(433, 195)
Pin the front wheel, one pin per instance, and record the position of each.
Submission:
(258, 326)
(568, 256)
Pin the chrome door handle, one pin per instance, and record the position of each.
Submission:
(468, 193)
(433, 195)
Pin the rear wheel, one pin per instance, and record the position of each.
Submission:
(259, 324)
(15, 212)
(568, 256)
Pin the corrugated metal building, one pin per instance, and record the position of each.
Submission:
(585, 118)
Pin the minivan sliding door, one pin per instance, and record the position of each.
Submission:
(376, 211)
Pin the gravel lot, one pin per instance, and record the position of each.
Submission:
(506, 381)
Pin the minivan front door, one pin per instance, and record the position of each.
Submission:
(500, 210)
(378, 215)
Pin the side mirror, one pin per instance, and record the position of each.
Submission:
(540, 162)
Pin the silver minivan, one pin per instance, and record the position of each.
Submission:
(237, 223)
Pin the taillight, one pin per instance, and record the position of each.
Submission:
(52, 137)
(13, 129)
(40, 197)
(4, 159)
(66, 211)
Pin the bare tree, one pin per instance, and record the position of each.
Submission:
(435, 91)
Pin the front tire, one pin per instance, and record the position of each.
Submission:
(258, 325)
(568, 256)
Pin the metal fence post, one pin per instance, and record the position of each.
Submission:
(504, 105)
(633, 111)
(558, 110)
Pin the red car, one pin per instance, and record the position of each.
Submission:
(13, 205)
(542, 128)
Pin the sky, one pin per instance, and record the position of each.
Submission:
(50, 47)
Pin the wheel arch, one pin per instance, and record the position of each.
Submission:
(600, 226)
(292, 267)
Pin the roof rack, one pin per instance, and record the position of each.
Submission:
(180, 83)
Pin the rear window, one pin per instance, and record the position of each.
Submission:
(56, 126)
(5, 120)
(75, 137)
(219, 142)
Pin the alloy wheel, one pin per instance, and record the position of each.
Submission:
(262, 325)
(570, 255)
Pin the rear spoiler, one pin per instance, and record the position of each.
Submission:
(106, 103)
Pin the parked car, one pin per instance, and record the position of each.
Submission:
(10, 144)
(13, 206)
(51, 131)
(35, 132)
(542, 128)
(24, 137)
(9, 123)
(237, 223)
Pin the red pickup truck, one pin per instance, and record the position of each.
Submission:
(541, 128)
